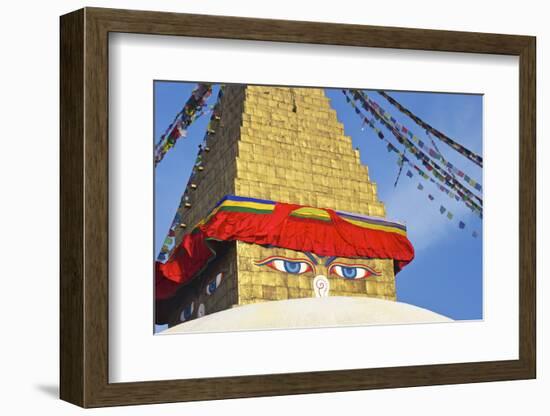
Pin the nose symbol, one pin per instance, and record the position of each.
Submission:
(321, 286)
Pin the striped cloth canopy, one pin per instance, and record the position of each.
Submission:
(324, 232)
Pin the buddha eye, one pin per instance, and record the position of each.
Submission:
(286, 265)
(214, 284)
(352, 271)
(187, 312)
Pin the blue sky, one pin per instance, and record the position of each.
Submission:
(446, 274)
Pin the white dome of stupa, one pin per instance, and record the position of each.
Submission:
(330, 311)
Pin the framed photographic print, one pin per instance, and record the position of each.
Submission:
(260, 207)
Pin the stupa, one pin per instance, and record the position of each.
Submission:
(281, 208)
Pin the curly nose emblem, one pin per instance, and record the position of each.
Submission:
(321, 286)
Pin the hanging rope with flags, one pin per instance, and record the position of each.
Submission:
(433, 167)
(402, 158)
(170, 241)
(432, 152)
(475, 158)
(191, 111)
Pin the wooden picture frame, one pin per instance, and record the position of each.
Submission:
(84, 207)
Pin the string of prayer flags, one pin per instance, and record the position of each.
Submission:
(178, 128)
(170, 241)
(410, 141)
(368, 122)
(214, 118)
(428, 163)
(450, 215)
(391, 147)
(457, 195)
(435, 154)
(398, 129)
(186, 200)
(477, 159)
(403, 159)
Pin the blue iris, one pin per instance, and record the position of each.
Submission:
(292, 267)
(212, 286)
(188, 311)
(349, 272)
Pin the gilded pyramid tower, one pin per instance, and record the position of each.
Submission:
(285, 145)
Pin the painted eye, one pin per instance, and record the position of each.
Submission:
(352, 271)
(291, 266)
(214, 284)
(187, 312)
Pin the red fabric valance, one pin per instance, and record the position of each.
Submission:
(275, 226)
